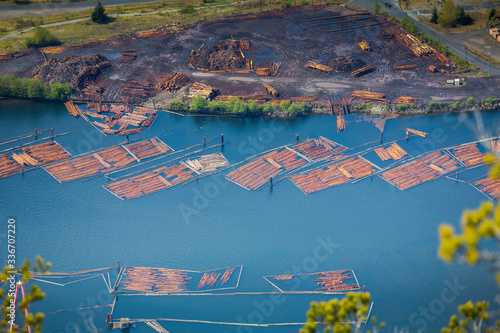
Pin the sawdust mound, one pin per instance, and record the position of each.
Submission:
(77, 70)
(224, 55)
(346, 64)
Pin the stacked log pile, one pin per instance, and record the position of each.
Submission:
(394, 151)
(6, 57)
(159, 280)
(207, 163)
(405, 100)
(173, 82)
(323, 68)
(417, 47)
(128, 56)
(442, 57)
(138, 89)
(204, 90)
(368, 95)
(334, 281)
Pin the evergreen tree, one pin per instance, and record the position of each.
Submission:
(98, 14)
(447, 16)
(41, 38)
(376, 9)
(461, 17)
(492, 15)
(434, 16)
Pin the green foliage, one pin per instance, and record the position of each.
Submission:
(402, 107)
(199, 104)
(491, 100)
(335, 315)
(492, 15)
(239, 107)
(461, 17)
(286, 4)
(377, 8)
(473, 318)
(98, 14)
(409, 25)
(469, 101)
(41, 38)
(447, 17)
(304, 3)
(188, 10)
(32, 295)
(11, 86)
(434, 15)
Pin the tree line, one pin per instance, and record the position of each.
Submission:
(11, 86)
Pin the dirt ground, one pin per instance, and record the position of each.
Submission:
(293, 37)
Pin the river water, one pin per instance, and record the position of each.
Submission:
(388, 237)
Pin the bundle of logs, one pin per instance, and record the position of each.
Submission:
(362, 71)
(404, 67)
(271, 90)
(374, 96)
(405, 100)
(204, 90)
(128, 56)
(319, 67)
(138, 89)
(365, 46)
(173, 82)
(272, 70)
(417, 47)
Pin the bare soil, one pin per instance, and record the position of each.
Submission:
(293, 37)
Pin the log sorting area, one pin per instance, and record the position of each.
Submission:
(109, 159)
(115, 118)
(167, 176)
(336, 173)
(488, 186)
(253, 175)
(469, 155)
(31, 156)
(324, 282)
(163, 281)
(394, 152)
(420, 170)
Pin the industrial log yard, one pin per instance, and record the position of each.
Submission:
(332, 56)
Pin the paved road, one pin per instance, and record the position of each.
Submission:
(114, 15)
(42, 9)
(452, 45)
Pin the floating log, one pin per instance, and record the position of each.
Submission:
(469, 154)
(419, 133)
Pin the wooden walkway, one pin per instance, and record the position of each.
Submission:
(109, 159)
(333, 174)
(316, 149)
(253, 175)
(421, 170)
(488, 186)
(469, 154)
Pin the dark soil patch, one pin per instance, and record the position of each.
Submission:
(346, 64)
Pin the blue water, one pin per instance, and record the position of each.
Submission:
(388, 237)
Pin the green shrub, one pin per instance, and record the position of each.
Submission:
(188, 10)
(304, 3)
(177, 105)
(199, 104)
(41, 38)
(377, 8)
(286, 4)
(470, 101)
(11, 86)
